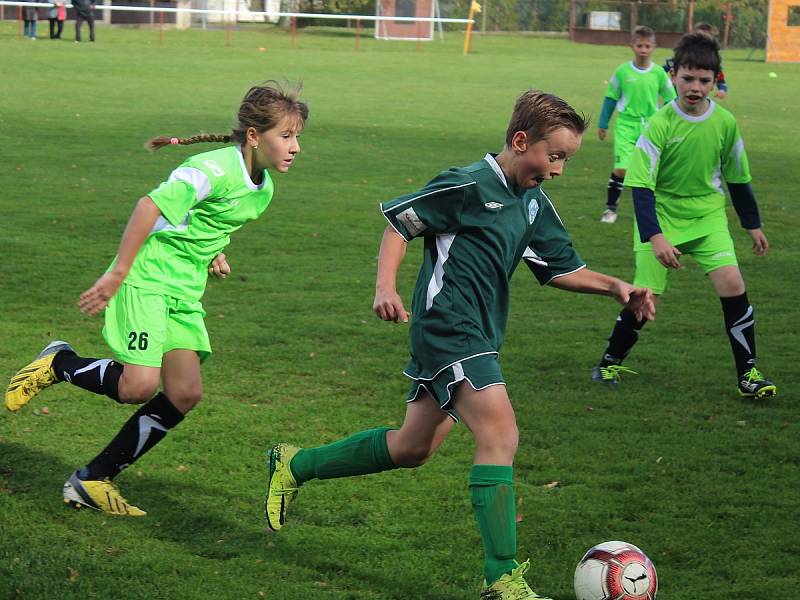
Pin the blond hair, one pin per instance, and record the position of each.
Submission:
(538, 113)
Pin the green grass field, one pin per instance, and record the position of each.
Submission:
(673, 461)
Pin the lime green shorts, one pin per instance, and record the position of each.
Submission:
(141, 326)
(711, 252)
(626, 134)
(480, 372)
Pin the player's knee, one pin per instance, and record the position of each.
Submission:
(186, 398)
(501, 442)
(136, 392)
(412, 456)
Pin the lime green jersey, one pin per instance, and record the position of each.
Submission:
(683, 159)
(637, 90)
(202, 203)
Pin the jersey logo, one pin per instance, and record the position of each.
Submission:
(493, 205)
(411, 221)
(533, 208)
(676, 140)
(214, 168)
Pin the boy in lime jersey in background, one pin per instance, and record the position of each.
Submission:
(676, 177)
(634, 90)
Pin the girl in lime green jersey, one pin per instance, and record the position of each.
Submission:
(151, 293)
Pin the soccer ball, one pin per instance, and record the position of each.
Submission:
(615, 571)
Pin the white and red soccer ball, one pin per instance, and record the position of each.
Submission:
(615, 571)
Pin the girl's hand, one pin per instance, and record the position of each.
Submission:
(389, 306)
(601, 133)
(219, 267)
(96, 298)
(760, 243)
(667, 254)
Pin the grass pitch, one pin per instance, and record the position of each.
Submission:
(673, 461)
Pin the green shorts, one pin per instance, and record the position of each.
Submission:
(141, 326)
(479, 371)
(626, 134)
(711, 252)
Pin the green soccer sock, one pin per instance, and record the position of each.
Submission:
(492, 494)
(360, 454)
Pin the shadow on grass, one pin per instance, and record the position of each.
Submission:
(209, 523)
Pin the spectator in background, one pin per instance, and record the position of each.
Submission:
(57, 14)
(84, 11)
(30, 14)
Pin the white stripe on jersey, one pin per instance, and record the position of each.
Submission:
(644, 144)
(737, 152)
(531, 256)
(443, 243)
(195, 178)
(454, 187)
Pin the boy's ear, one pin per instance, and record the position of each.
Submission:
(519, 141)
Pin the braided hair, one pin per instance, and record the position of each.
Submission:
(262, 108)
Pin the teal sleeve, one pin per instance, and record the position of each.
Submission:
(435, 209)
(609, 104)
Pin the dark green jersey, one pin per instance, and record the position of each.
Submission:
(476, 231)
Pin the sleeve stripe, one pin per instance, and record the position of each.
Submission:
(385, 216)
(562, 274)
(195, 178)
(737, 152)
(644, 144)
(455, 187)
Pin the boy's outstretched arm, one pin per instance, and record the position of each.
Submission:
(388, 305)
(639, 300)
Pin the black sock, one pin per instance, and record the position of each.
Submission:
(98, 375)
(624, 335)
(614, 191)
(148, 426)
(740, 323)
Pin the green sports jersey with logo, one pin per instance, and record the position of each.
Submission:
(683, 159)
(476, 231)
(202, 203)
(637, 90)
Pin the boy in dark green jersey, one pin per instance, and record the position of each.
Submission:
(478, 223)
(633, 91)
(676, 175)
(151, 292)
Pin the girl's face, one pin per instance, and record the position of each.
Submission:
(693, 86)
(276, 148)
(544, 159)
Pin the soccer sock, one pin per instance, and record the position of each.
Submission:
(614, 191)
(98, 375)
(740, 325)
(360, 454)
(492, 494)
(624, 335)
(148, 426)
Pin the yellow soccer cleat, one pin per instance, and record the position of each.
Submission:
(512, 586)
(281, 488)
(99, 495)
(34, 377)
